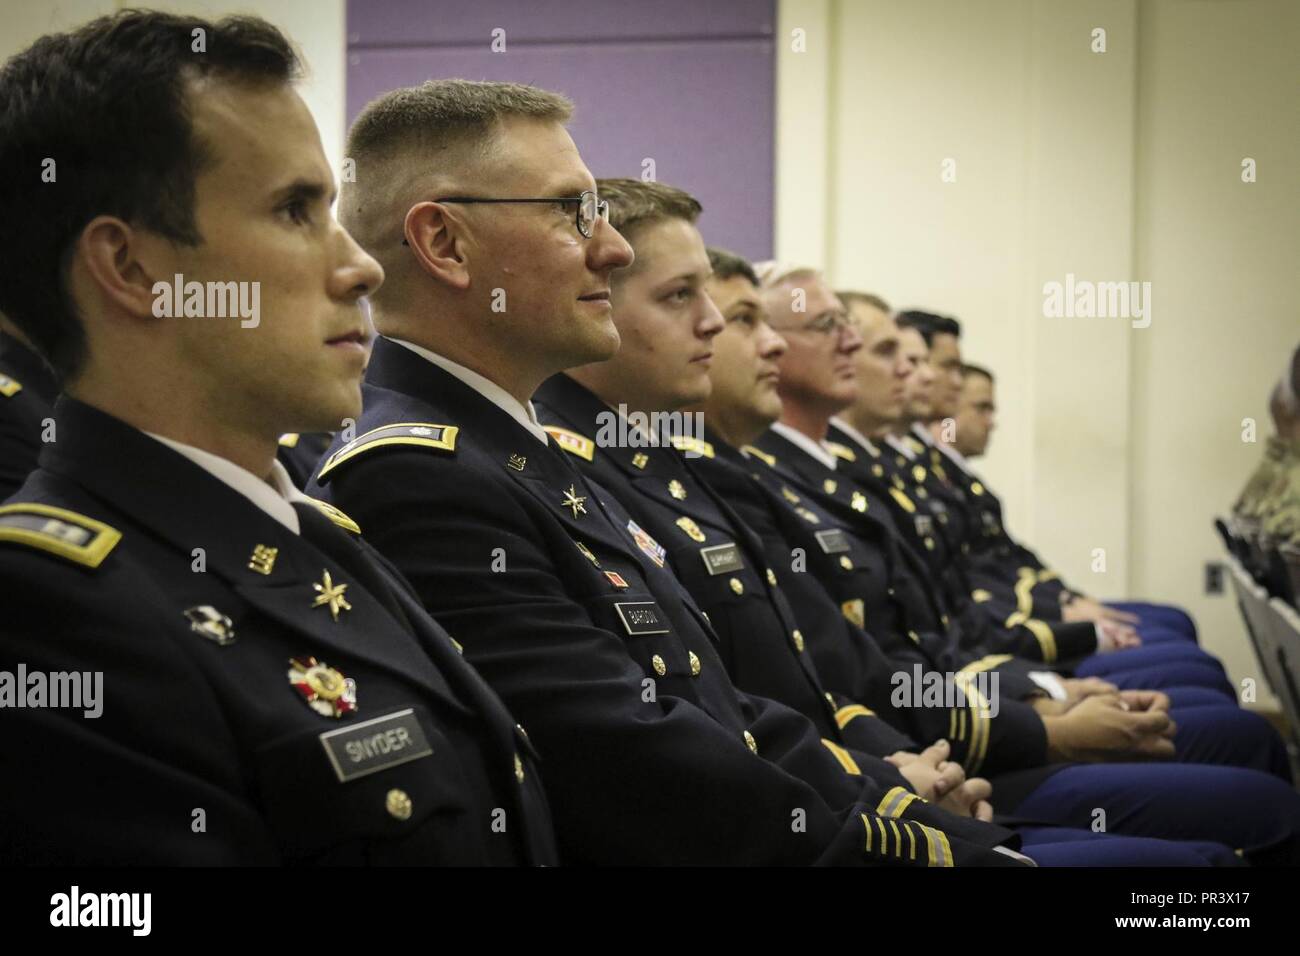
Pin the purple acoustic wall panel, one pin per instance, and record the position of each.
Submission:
(688, 84)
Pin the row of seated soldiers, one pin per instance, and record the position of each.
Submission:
(511, 620)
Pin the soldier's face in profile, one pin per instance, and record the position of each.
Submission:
(945, 358)
(818, 367)
(920, 375)
(975, 416)
(262, 206)
(882, 369)
(745, 371)
(556, 282)
(665, 320)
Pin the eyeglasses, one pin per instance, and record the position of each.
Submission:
(589, 207)
(828, 323)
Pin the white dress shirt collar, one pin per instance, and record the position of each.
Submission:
(807, 444)
(275, 498)
(853, 433)
(525, 415)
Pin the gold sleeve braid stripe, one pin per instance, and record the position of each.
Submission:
(893, 803)
(846, 760)
(1046, 639)
(846, 714)
(977, 706)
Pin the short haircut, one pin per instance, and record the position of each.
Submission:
(727, 265)
(929, 324)
(635, 204)
(968, 369)
(106, 105)
(444, 126)
(864, 298)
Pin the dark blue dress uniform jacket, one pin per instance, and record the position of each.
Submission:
(100, 571)
(722, 564)
(562, 602)
(27, 393)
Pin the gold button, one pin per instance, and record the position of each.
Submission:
(736, 586)
(859, 501)
(657, 663)
(943, 519)
(798, 640)
(916, 638)
(771, 577)
(921, 492)
(877, 471)
(944, 618)
(398, 804)
(845, 563)
(929, 543)
(829, 486)
(519, 769)
(890, 592)
(696, 666)
(830, 702)
(750, 742)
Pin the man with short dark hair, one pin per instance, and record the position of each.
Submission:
(235, 663)
(976, 411)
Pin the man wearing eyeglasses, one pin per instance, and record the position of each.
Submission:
(560, 599)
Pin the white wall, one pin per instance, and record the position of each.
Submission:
(1113, 166)
(316, 26)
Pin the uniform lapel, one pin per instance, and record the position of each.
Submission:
(182, 505)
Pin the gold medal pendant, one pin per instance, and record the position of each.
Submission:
(325, 690)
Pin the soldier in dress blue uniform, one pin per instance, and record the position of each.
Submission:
(499, 257)
(27, 393)
(629, 404)
(200, 665)
(741, 404)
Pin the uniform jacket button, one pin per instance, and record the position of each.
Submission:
(398, 804)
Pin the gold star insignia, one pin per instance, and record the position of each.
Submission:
(575, 501)
(640, 460)
(331, 594)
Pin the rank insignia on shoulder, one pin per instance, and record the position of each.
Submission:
(58, 531)
(841, 451)
(572, 442)
(693, 447)
(9, 387)
(690, 527)
(207, 621)
(335, 515)
(325, 690)
(651, 548)
(410, 434)
(769, 460)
